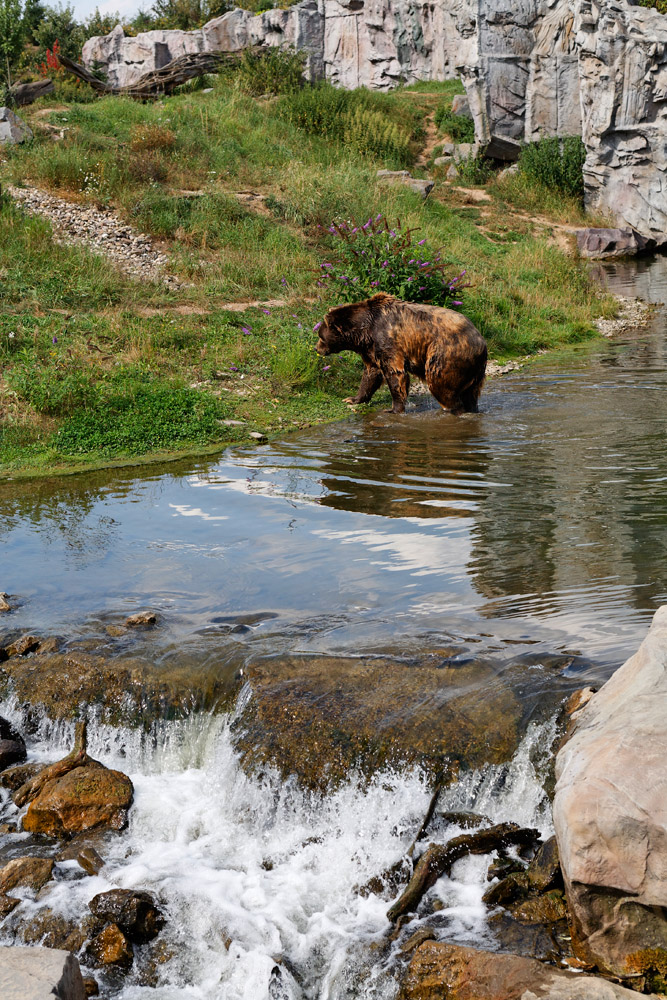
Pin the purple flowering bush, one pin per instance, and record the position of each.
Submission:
(377, 257)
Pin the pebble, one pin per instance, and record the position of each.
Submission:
(101, 231)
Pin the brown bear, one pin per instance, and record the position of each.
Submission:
(398, 339)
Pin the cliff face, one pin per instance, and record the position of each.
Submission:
(597, 68)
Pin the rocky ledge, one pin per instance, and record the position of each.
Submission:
(610, 814)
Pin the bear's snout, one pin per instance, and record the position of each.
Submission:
(322, 348)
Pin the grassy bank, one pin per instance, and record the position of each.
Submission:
(241, 192)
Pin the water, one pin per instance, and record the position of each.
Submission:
(528, 539)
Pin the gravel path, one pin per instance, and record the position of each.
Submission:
(101, 231)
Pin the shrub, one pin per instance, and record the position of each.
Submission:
(274, 71)
(151, 136)
(375, 257)
(474, 169)
(372, 133)
(659, 5)
(458, 127)
(556, 163)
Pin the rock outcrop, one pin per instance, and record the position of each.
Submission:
(13, 130)
(610, 815)
(439, 970)
(39, 974)
(595, 68)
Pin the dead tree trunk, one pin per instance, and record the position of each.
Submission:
(26, 93)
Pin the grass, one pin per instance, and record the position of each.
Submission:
(95, 367)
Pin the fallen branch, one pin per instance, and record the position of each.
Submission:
(77, 757)
(438, 859)
(160, 81)
(26, 93)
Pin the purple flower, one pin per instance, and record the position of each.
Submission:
(422, 288)
(247, 330)
(327, 265)
(54, 340)
(267, 311)
(378, 216)
(457, 303)
(283, 281)
(326, 368)
(421, 243)
(374, 284)
(298, 326)
(317, 326)
(233, 368)
(385, 263)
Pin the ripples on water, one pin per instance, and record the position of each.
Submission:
(535, 527)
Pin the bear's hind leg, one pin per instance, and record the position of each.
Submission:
(445, 386)
(399, 387)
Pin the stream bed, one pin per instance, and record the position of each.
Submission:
(521, 549)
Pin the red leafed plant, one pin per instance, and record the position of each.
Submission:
(52, 63)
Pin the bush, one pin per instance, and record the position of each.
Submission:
(659, 5)
(373, 134)
(556, 163)
(474, 169)
(457, 127)
(274, 71)
(150, 136)
(375, 257)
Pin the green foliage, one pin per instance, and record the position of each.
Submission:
(12, 36)
(186, 14)
(659, 5)
(373, 134)
(141, 418)
(376, 257)
(474, 170)
(59, 25)
(457, 127)
(556, 163)
(53, 389)
(273, 71)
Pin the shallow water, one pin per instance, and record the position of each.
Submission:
(532, 533)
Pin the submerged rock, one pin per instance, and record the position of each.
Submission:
(111, 947)
(610, 815)
(75, 794)
(320, 717)
(440, 970)
(53, 930)
(135, 911)
(12, 745)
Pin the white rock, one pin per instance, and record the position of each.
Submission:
(12, 128)
(39, 974)
(610, 810)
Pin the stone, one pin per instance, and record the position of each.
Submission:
(610, 815)
(438, 970)
(111, 947)
(502, 148)
(461, 106)
(91, 986)
(452, 173)
(442, 161)
(13, 130)
(39, 974)
(421, 187)
(90, 861)
(393, 174)
(465, 151)
(7, 904)
(141, 618)
(136, 912)
(12, 745)
(601, 243)
(4, 603)
(258, 437)
(21, 647)
(30, 872)
(546, 909)
(510, 171)
(14, 777)
(75, 794)
(53, 930)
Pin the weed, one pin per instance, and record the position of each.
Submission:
(151, 136)
(474, 169)
(373, 134)
(273, 71)
(556, 163)
(457, 127)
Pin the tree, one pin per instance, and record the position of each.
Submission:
(59, 25)
(33, 14)
(12, 37)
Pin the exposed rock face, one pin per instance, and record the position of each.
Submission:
(596, 68)
(440, 970)
(12, 131)
(610, 814)
(39, 974)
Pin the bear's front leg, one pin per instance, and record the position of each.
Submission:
(371, 381)
(399, 387)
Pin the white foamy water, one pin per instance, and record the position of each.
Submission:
(258, 879)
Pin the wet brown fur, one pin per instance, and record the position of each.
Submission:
(398, 339)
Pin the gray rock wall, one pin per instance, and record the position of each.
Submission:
(597, 68)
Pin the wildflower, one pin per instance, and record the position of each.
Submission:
(457, 303)
(316, 327)
(298, 326)
(421, 243)
(385, 263)
(267, 312)
(233, 368)
(422, 288)
(374, 284)
(54, 340)
(11, 335)
(326, 368)
(247, 330)
(283, 281)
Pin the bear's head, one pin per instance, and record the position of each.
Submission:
(349, 327)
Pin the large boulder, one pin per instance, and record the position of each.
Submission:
(12, 745)
(39, 974)
(13, 130)
(75, 794)
(133, 910)
(440, 971)
(610, 815)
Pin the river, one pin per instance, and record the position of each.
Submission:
(530, 537)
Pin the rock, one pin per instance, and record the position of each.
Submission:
(452, 173)
(54, 930)
(232, 423)
(91, 986)
(438, 970)
(546, 909)
(7, 904)
(30, 872)
(258, 437)
(4, 603)
(442, 161)
(465, 151)
(461, 106)
(90, 861)
(21, 647)
(610, 815)
(500, 147)
(421, 187)
(600, 243)
(12, 745)
(510, 171)
(111, 947)
(141, 618)
(75, 794)
(393, 174)
(136, 912)
(39, 974)
(13, 130)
